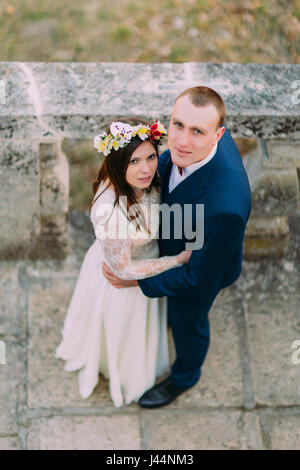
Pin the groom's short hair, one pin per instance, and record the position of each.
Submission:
(204, 96)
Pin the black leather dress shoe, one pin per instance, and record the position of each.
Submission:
(161, 394)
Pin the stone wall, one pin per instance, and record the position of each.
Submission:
(46, 102)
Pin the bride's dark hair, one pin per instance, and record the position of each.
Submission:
(115, 165)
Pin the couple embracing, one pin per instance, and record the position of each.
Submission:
(134, 281)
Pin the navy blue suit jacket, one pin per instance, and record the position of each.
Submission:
(222, 185)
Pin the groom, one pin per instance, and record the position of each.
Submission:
(201, 166)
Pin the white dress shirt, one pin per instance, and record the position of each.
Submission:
(176, 177)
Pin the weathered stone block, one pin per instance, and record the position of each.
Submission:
(9, 443)
(12, 385)
(54, 180)
(273, 190)
(266, 237)
(19, 195)
(54, 241)
(201, 430)
(34, 208)
(13, 302)
(273, 325)
(276, 192)
(113, 432)
(282, 429)
(282, 154)
(67, 99)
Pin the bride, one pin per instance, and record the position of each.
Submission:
(121, 333)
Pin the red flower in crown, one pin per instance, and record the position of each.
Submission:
(155, 132)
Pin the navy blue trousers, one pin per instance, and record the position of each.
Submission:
(191, 333)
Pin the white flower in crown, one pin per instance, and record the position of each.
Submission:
(142, 131)
(121, 130)
(99, 139)
(105, 145)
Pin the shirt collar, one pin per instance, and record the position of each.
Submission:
(194, 166)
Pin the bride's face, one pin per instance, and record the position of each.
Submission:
(142, 166)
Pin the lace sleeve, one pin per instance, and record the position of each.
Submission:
(111, 232)
(117, 255)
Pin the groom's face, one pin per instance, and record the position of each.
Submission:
(193, 132)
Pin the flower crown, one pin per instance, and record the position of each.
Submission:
(121, 134)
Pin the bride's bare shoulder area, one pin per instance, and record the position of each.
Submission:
(101, 190)
(108, 184)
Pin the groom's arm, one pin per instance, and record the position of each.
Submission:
(222, 234)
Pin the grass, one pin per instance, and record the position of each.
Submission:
(194, 30)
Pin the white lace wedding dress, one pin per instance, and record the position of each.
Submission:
(118, 332)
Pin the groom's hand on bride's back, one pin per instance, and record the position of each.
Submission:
(115, 280)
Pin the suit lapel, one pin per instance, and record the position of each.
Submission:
(165, 179)
(189, 189)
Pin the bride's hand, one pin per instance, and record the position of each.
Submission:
(184, 256)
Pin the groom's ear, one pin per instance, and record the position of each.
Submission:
(220, 132)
